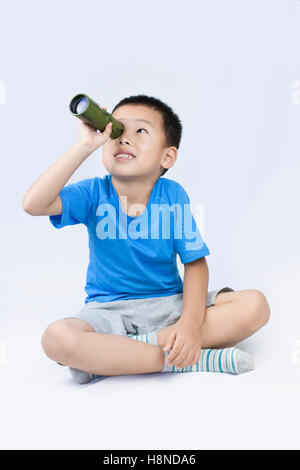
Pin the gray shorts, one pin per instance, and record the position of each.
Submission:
(137, 316)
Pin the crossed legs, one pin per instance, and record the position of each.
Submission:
(73, 342)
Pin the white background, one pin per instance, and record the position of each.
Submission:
(230, 70)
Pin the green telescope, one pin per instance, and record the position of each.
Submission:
(83, 107)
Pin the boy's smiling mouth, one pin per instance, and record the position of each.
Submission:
(124, 157)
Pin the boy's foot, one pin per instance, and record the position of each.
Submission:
(230, 360)
(82, 377)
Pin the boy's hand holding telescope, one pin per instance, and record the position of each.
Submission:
(89, 137)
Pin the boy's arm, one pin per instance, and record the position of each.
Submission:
(42, 198)
(195, 287)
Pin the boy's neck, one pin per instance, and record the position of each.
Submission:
(133, 191)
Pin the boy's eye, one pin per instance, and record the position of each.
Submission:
(141, 129)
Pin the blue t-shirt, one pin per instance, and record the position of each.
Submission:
(132, 257)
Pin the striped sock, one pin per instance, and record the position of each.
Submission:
(150, 337)
(230, 360)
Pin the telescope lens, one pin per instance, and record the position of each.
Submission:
(82, 105)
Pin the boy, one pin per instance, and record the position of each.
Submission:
(133, 285)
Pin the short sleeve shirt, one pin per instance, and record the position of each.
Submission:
(132, 257)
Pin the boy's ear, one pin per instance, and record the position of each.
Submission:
(170, 157)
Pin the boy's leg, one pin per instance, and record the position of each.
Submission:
(234, 317)
(100, 353)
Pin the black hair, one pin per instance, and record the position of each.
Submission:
(171, 123)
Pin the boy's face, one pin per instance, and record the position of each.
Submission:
(145, 140)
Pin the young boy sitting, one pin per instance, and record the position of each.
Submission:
(139, 317)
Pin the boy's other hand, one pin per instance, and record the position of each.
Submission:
(185, 342)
